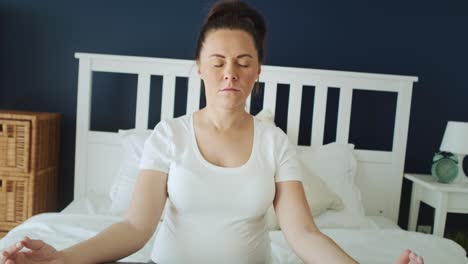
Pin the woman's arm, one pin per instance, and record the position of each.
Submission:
(296, 221)
(131, 234)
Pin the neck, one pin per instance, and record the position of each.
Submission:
(224, 119)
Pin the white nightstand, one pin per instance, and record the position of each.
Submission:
(445, 198)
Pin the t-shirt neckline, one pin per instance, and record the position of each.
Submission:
(216, 167)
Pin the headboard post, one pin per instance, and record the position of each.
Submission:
(400, 137)
(83, 112)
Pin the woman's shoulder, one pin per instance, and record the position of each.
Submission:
(177, 121)
(269, 131)
(266, 121)
(173, 126)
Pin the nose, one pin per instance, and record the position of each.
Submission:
(230, 74)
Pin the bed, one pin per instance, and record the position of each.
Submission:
(367, 181)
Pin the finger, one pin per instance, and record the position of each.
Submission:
(11, 250)
(420, 260)
(407, 251)
(414, 258)
(404, 257)
(33, 244)
(413, 255)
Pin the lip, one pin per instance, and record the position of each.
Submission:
(230, 89)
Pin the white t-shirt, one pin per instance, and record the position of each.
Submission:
(216, 214)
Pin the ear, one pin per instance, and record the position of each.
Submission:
(259, 69)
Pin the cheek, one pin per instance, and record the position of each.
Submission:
(253, 75)
(212, 81)
(250, 77)
(212, 76)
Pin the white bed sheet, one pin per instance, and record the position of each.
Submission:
(382, 222)
(365, 245)
(379, 244)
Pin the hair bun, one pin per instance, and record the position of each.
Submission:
(224, 7)
(237, 10)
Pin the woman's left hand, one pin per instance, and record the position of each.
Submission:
(409, 257)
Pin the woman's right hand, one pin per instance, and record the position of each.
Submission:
(39, 253)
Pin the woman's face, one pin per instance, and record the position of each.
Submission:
(229, 67)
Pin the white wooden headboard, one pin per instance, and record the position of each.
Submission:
(380, 173)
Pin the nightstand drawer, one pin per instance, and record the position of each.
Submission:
(457, 203)
(15, 138)
(13, 201)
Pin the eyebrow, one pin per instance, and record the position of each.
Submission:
(239, 56)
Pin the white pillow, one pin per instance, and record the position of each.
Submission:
(122, 188)
(319, 197)
(92, 203)
(336, 164)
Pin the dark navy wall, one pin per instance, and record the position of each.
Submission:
(38, 71)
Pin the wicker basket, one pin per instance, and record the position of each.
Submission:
(14, 145)
(12, 200)
(29, 145)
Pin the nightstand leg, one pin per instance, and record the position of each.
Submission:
(414, 207)
(440, 215)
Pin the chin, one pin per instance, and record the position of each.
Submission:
(232, 106)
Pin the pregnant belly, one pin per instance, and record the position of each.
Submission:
(211, 243)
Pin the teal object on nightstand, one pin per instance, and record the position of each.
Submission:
(444, 167)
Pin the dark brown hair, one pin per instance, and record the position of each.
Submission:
(232, 14)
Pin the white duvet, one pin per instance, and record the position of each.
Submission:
(365, 245)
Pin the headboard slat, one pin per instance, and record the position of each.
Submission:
(168, 96)
(318, 118)
(143, 96)
(193, 93)
(269, 96)
(294, 112)
(248, 103)
(344, 115)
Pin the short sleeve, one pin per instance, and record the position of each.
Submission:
(287, 163)
(158, 149)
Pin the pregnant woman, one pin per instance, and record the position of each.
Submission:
(219, 167)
